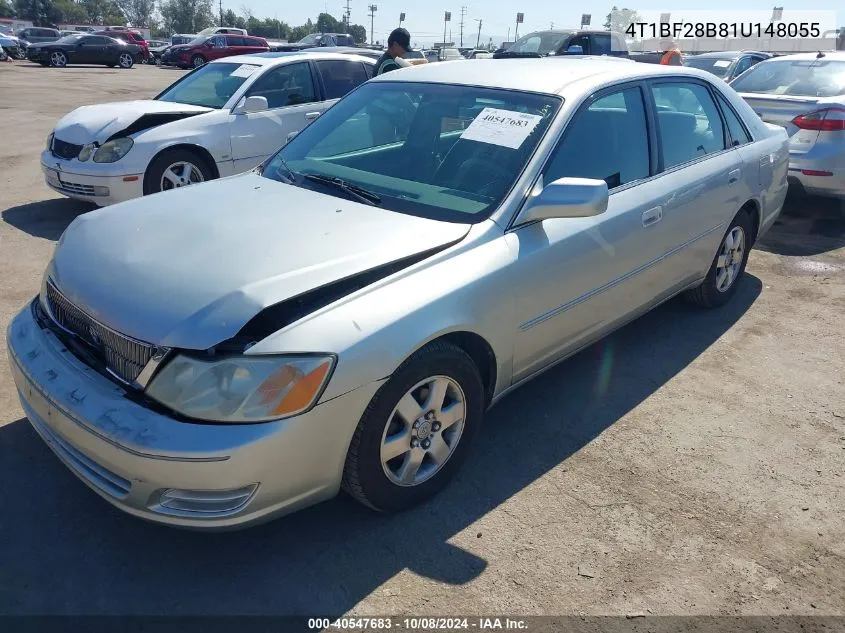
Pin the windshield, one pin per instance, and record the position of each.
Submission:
(69, 39)
(6, 30)
(718, 67)
(210, 86)
(445, 152)
(798, 78)
(314, 38)
(199, 41)
(541, 43)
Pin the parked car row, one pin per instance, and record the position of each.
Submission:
(333, 316)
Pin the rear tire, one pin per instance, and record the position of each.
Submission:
(125, 61)
(397, 460)
(728, 266)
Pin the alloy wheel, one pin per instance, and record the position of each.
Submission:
(730, 259)
(58, 59)
(180, 174)
(423, 431)
(125, 60)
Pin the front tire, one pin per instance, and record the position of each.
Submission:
(58, 59)
(416, 431)
(728, 266)
(175, 169)
(197, 61)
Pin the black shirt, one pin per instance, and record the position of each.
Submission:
(385, 64)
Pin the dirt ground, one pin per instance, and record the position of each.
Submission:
(692, 463)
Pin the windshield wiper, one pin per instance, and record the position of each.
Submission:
(359, 193)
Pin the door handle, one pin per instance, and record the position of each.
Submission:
(652, 216)
(310, 116)
(733, 176)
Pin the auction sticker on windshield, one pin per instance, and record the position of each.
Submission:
(501, 127)
(722, 63)
(244, 70)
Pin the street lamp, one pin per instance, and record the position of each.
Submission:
(373, 8)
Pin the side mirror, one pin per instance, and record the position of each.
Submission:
(254, 104)
(575, 49)
(291, 136)
(565, 198)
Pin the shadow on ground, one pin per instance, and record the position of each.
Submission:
(807, 226)
(48, 218)
(67, 551)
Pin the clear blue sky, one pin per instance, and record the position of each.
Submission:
(425, 19)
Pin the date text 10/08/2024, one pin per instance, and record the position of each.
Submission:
(419, 624)
(723, 29)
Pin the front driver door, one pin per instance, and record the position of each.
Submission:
(88, 51)
(292, 104)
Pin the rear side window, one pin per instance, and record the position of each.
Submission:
(254, 41)
(600, 44)
(339, 77)
(234, 40)
(607, 141)
(689, 123)
(738, 134)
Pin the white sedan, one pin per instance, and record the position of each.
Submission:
(222, 119)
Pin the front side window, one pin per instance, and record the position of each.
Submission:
(607, 141)
(600, 44)
(290, 84)
(742, 65)
(797, 78)
(210, 86)
(340, 77)
(439, 151)
(689, 122)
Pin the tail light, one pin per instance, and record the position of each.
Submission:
(827, 120)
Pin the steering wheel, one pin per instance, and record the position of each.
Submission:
(494, 175)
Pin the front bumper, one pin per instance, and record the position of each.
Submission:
(131, 455)
(101, 190)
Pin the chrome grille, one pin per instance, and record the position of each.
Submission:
(61, 149)
(124, 356)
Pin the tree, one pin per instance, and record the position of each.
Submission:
(328, 24)
(358, 33)
(137, 12)
(70, 11)
(620, 19)
(6, 9)
(187, 16)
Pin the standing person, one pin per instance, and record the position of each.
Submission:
(398, 44)
(671, 55)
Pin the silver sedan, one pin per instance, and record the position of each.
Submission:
(804, 94)
(342, 316)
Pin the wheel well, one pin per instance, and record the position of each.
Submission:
(200, 151)
(482, 355)
(753, 210)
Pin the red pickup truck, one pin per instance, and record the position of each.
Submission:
(204, 49)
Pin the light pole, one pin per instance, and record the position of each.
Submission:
(401, 18)
(373, 9)
(447, 17)
(478, 39)
(519, 19)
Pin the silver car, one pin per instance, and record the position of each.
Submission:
(804, 94)
(342, 316)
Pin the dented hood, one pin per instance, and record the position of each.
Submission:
(98, 123)
(189, 268)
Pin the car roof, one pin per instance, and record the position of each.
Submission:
(728, 54)
(271, 59)
(547, 75)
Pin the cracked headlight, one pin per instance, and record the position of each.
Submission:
(113, 151)
(86, 152)
(242, 388)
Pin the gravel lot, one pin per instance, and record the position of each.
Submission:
(692, 463)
